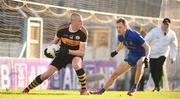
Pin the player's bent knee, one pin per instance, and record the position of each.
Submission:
(76, 66)
(76, 63)
(50, 71)
(140, 64)
(45, 76)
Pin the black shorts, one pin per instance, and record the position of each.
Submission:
(62, 60)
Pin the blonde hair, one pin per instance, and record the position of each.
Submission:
(123, 21)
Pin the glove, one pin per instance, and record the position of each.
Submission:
(146, 62)
(114, 53)
(48, 55)
(62, 51)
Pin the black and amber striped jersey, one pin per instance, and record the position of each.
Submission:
(72, 40)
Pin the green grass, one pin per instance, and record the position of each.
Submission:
(62, 94)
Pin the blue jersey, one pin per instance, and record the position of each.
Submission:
(133, 41)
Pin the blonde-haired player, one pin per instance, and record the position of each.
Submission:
(138, 54)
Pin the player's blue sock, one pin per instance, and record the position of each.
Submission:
(102, 91)
(135, 86)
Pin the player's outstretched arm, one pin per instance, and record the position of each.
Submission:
(147, 52)
(147, 49)
(55, 40)
(120, 46)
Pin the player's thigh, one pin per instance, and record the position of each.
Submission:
(122, 67)
(140, 63)
(50, 71)
(77, 63)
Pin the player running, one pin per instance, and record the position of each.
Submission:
(138, 54)
(73, 41)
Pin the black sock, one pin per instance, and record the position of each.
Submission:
(82, 77)
(37, 81)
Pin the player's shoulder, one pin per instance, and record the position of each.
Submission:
(173, 32)
(84, 30)
(132, 32)
(62, 29)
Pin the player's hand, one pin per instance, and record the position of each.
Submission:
(146, 62)
(114, 53)
(48, 55)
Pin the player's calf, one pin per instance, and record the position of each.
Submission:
(37, 81)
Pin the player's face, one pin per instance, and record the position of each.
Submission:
(121, 28)
(77, 22)
(165, 27)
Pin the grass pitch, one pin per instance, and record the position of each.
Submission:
(63, 94)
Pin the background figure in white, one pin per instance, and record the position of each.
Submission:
(163, 41)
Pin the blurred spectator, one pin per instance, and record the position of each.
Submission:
(163, 41)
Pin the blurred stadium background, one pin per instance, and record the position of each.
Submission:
(27, 26)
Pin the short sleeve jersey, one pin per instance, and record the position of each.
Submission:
(133, 41)
(71, 39)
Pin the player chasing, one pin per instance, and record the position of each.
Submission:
(138, 55)
(73, 41)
